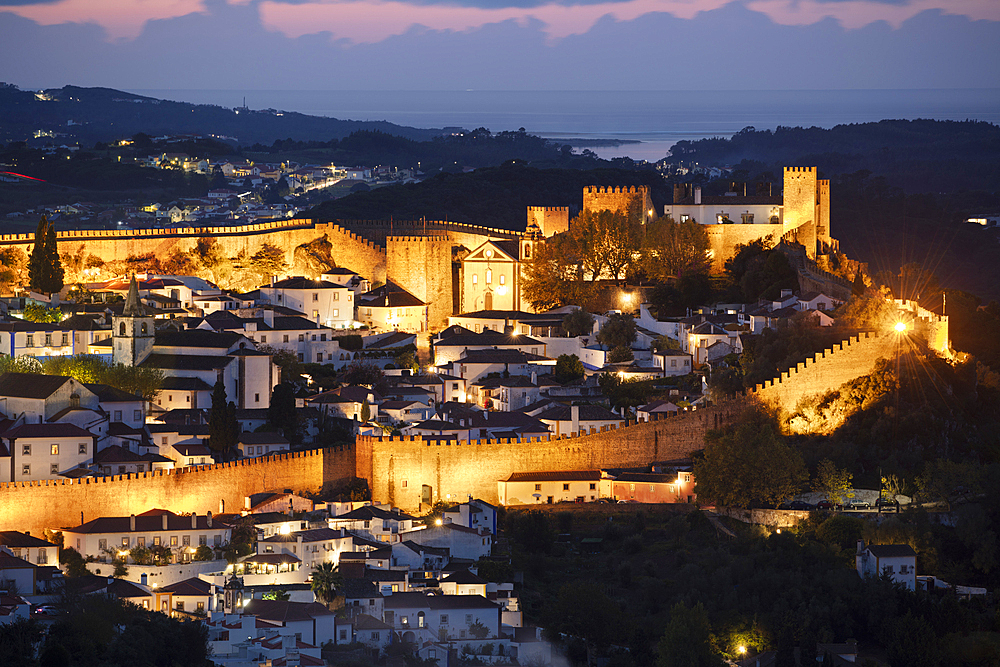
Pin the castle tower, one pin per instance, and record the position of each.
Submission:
(619, 198)
(422, 266)
(549, 219)
(132, 332)
(806, 206)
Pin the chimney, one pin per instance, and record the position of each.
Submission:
(697, 195)
(574, 412)
(209, 519)
(131, 523)
(194, 521)
(163, 521)
(534, 377)
(269, 317)
(246, 502)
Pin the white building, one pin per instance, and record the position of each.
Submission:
(898, 561)
(323, 302)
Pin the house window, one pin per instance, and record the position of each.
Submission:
(343, 635)
(256, 398)
(593, 487)
(315, 296)
(565, 487)
(336, 313)
(217, 540)
(263, 339)
(538, 487)
(302, 337)
(475, 281)
(54, 469)
(118, 415)
(889, 569)
(137, 415)
(54, 450)
(102, 544)
(201, 607)
(375, 636)
(26, 469)
(125, 541)
(323, 336)
(65, 340)
(187, 540)
(747, 218)
(489, 276)
(301, 356)
(48, 340)
(502, 277)
(156, 541)
(83, 448)
(631, 487)
(180, 606)
(444, 619)
(319, 356)
(173, 540)
(316, 315)
(286, 338)
(31, 340)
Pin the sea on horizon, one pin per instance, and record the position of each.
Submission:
(657, 119)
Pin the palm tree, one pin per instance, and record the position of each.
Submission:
(326, 580)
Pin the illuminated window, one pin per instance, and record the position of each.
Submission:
(475, 281)
(54, 450)
(489, 276)
(315, 296)
(502, 279)
(173, 540)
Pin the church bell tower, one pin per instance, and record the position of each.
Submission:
(132, 332)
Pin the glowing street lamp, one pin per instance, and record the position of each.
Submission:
(741, 650)
(900, 327)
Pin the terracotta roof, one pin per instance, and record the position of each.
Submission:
(56, 430)
(147, 522)
(12, 538)
(413, 600)
(283, 611)
(462, 577)
(30, 385)
(555, 476)
(192, 586)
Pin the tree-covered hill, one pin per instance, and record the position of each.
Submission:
(916, 155)
(103, 114)
(495, 196)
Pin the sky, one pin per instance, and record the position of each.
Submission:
(501, 44)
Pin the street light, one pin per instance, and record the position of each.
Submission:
(900, 327)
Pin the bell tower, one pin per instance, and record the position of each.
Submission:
(132, 332)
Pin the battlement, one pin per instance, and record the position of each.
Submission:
(247, 464)
(615, 189)
(809, 363)
(438, 238)
(548, 209)
(416, 227)
(803, 170)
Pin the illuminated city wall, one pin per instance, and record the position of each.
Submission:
(422, 266)
(349, 250)
(399, 468)
(827, 370)
(221, 487)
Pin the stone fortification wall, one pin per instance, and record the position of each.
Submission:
(470, 236)
(812, 276)
(827, 370)
(349, 249)
(398, 468)
(422, 266)
(34, 506)
(723, 239)
(926, 323)
(616, 198)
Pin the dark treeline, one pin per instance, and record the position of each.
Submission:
(478, 148)
(916, 155)
(495, 196)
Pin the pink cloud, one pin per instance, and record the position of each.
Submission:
(121, 19)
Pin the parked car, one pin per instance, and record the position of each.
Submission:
(44, 610)
(887, 505)
(824, 505)
(856, 505)
(795, 505)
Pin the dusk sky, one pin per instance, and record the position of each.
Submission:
(501, 44)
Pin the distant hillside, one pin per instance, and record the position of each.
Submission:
(103, 114)
(916, 155)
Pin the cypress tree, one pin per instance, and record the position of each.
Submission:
(222, 425)
(45, 271)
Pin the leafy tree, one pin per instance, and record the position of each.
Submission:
(13, 265)
(688, 640)
(833, 481)
(618, 331)
(222, 425)
(605, 240)
(674, 249)
(36, 312)
(268, 261)
(553, 276)
(277, 594)
(568, 367)
(45, 271)
(139, 380)
(479, 631)
(578, 323)
(75, 564)
(408, 360)
(285, 359)
(363, 373)
(204, 553)
(749, 464)
(619, 354)
(326, 581)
